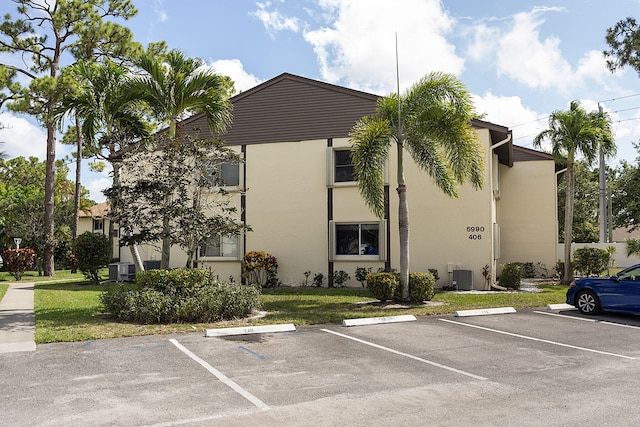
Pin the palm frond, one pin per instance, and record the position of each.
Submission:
(370, 139)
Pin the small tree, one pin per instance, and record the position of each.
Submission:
(92, 253)
(591, 261)
(17, 261)
(633, 247)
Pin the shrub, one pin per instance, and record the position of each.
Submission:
(421, 286)
(92, 253)
(361, 274)
(17, 261)
(510, 276)
(318, 280)
(197, 302)
(382, 286)
(591, 261)
(261, 268)
(434, 273)
(340, 277)
(179, 282)
(527, 269)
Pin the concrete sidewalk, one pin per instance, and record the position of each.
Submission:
(17, 320)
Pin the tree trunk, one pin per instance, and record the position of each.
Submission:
(135, 254)
(49, 188)
(403, 223)
(166, 244)
(568, 224)
(403, 228)
(76, 197)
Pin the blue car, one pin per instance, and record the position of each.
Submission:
(619, 293)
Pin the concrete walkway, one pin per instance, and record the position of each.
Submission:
(17, 320)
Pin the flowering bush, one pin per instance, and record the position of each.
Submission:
(17, 261)
(261, 268)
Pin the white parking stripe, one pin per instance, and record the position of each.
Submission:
(419, 359)
(222, 377)
(606, 322)
(538, 339)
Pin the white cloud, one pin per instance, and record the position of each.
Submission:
(95, 184)
(274, 21)
(20, 137)
(524, 57)
(483, 45)
(158, 9)
(234, 69)
(357, 48)
(509, 111)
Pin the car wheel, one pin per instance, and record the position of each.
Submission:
(588, 303)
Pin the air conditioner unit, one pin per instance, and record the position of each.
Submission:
(463, 279)
(122, 271)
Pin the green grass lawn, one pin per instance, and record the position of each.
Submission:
(71, 311)
(32, 276)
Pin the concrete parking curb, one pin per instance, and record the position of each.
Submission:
(485, 311)
(378, 320)
(247, 330)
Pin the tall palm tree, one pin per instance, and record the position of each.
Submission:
(432, 122)
(174, 86)
(571, 133)
(106, 119)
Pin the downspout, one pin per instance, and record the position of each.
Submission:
(494, 263)
(501, 143)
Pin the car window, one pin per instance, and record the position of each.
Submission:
(633, 275)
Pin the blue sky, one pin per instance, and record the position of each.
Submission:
(521, 59)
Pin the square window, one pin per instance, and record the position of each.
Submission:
(97, 225)
(223, 247)
(357, 240)
(225, 175)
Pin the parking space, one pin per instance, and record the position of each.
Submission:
(529, 368)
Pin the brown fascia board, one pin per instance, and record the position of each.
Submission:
(498, 133)
(523, 154)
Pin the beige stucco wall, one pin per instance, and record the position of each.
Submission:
(286, 206)
(526, 213)
(438, 223)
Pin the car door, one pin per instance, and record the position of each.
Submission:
(623, 294)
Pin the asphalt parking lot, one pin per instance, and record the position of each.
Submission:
(534, 367)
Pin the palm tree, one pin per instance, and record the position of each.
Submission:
(174, 86)
(432, 122)
(105, 118)
(572, 133)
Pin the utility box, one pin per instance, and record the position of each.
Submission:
(122, 271)
(151, 264)
(463, 279)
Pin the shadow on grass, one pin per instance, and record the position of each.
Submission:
(71, 316)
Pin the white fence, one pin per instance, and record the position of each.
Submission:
(620, 255)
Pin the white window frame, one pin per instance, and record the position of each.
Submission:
(382, 242)
(236, 257)
(100, 222)
(331, 169)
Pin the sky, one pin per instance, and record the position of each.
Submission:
(521, 60)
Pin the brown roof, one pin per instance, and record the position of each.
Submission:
(99, 210)
(294, 108)
(290, 108)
